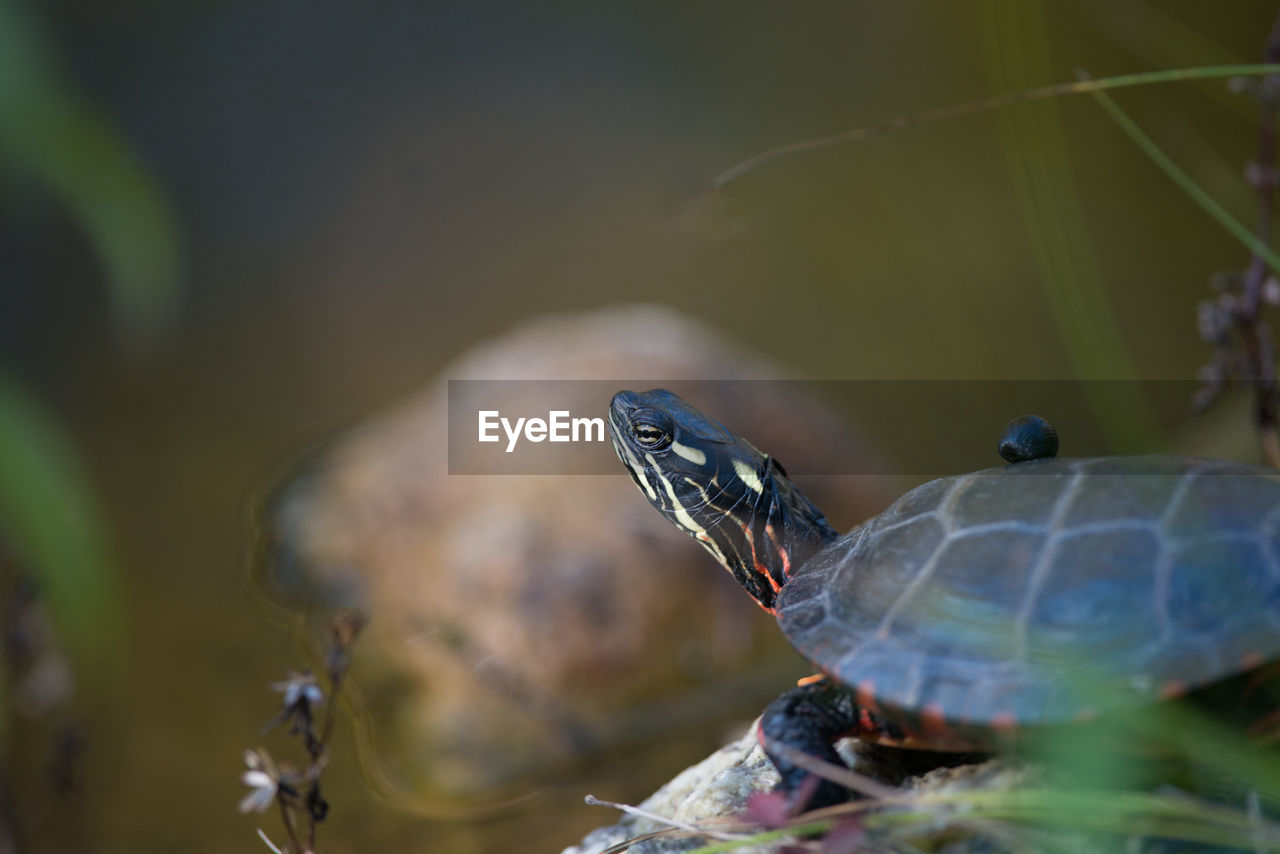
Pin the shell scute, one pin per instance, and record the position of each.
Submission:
(1170, 466)
(921, 501)
(1096, 581)
(808, 614)
(874, 571)
(813, 579)
(1005, 553)
(1106, 498)
(987, 499)
(1212, 503)
(1202, 598)
(961, 612)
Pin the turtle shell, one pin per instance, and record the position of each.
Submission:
(1045, 592)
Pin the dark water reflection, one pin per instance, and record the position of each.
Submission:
(364, 193)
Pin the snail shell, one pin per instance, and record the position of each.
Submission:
(1028, 437)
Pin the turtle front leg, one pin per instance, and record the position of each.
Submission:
(810, 719)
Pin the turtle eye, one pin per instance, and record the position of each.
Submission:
(651, 430)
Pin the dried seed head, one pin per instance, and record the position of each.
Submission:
(1213, 321)
(1271, 291)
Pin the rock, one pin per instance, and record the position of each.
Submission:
(721, 785)
(717, 787)
(523, 623)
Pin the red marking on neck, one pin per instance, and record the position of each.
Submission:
(755, 560)
(782, 552)
(760, 568)
(865, 694)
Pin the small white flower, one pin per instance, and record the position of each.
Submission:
(299, 687)
(262, 780)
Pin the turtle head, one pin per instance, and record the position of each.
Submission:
(716, 487)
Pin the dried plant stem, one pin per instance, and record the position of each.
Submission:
(592, 800)
(1258, 345)
(266, 840)
(1056, 90)
(288, 823)
(850, 779)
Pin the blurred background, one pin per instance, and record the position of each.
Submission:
(232, 232)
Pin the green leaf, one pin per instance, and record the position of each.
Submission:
(48, 132)
(50, 519)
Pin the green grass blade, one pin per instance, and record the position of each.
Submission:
(1184, 181)
(1067, 268)
(50, 519)
(799, 831)
(49, 133)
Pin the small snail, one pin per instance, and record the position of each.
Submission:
(1028, 437)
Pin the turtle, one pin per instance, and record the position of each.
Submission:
(1043, 592)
